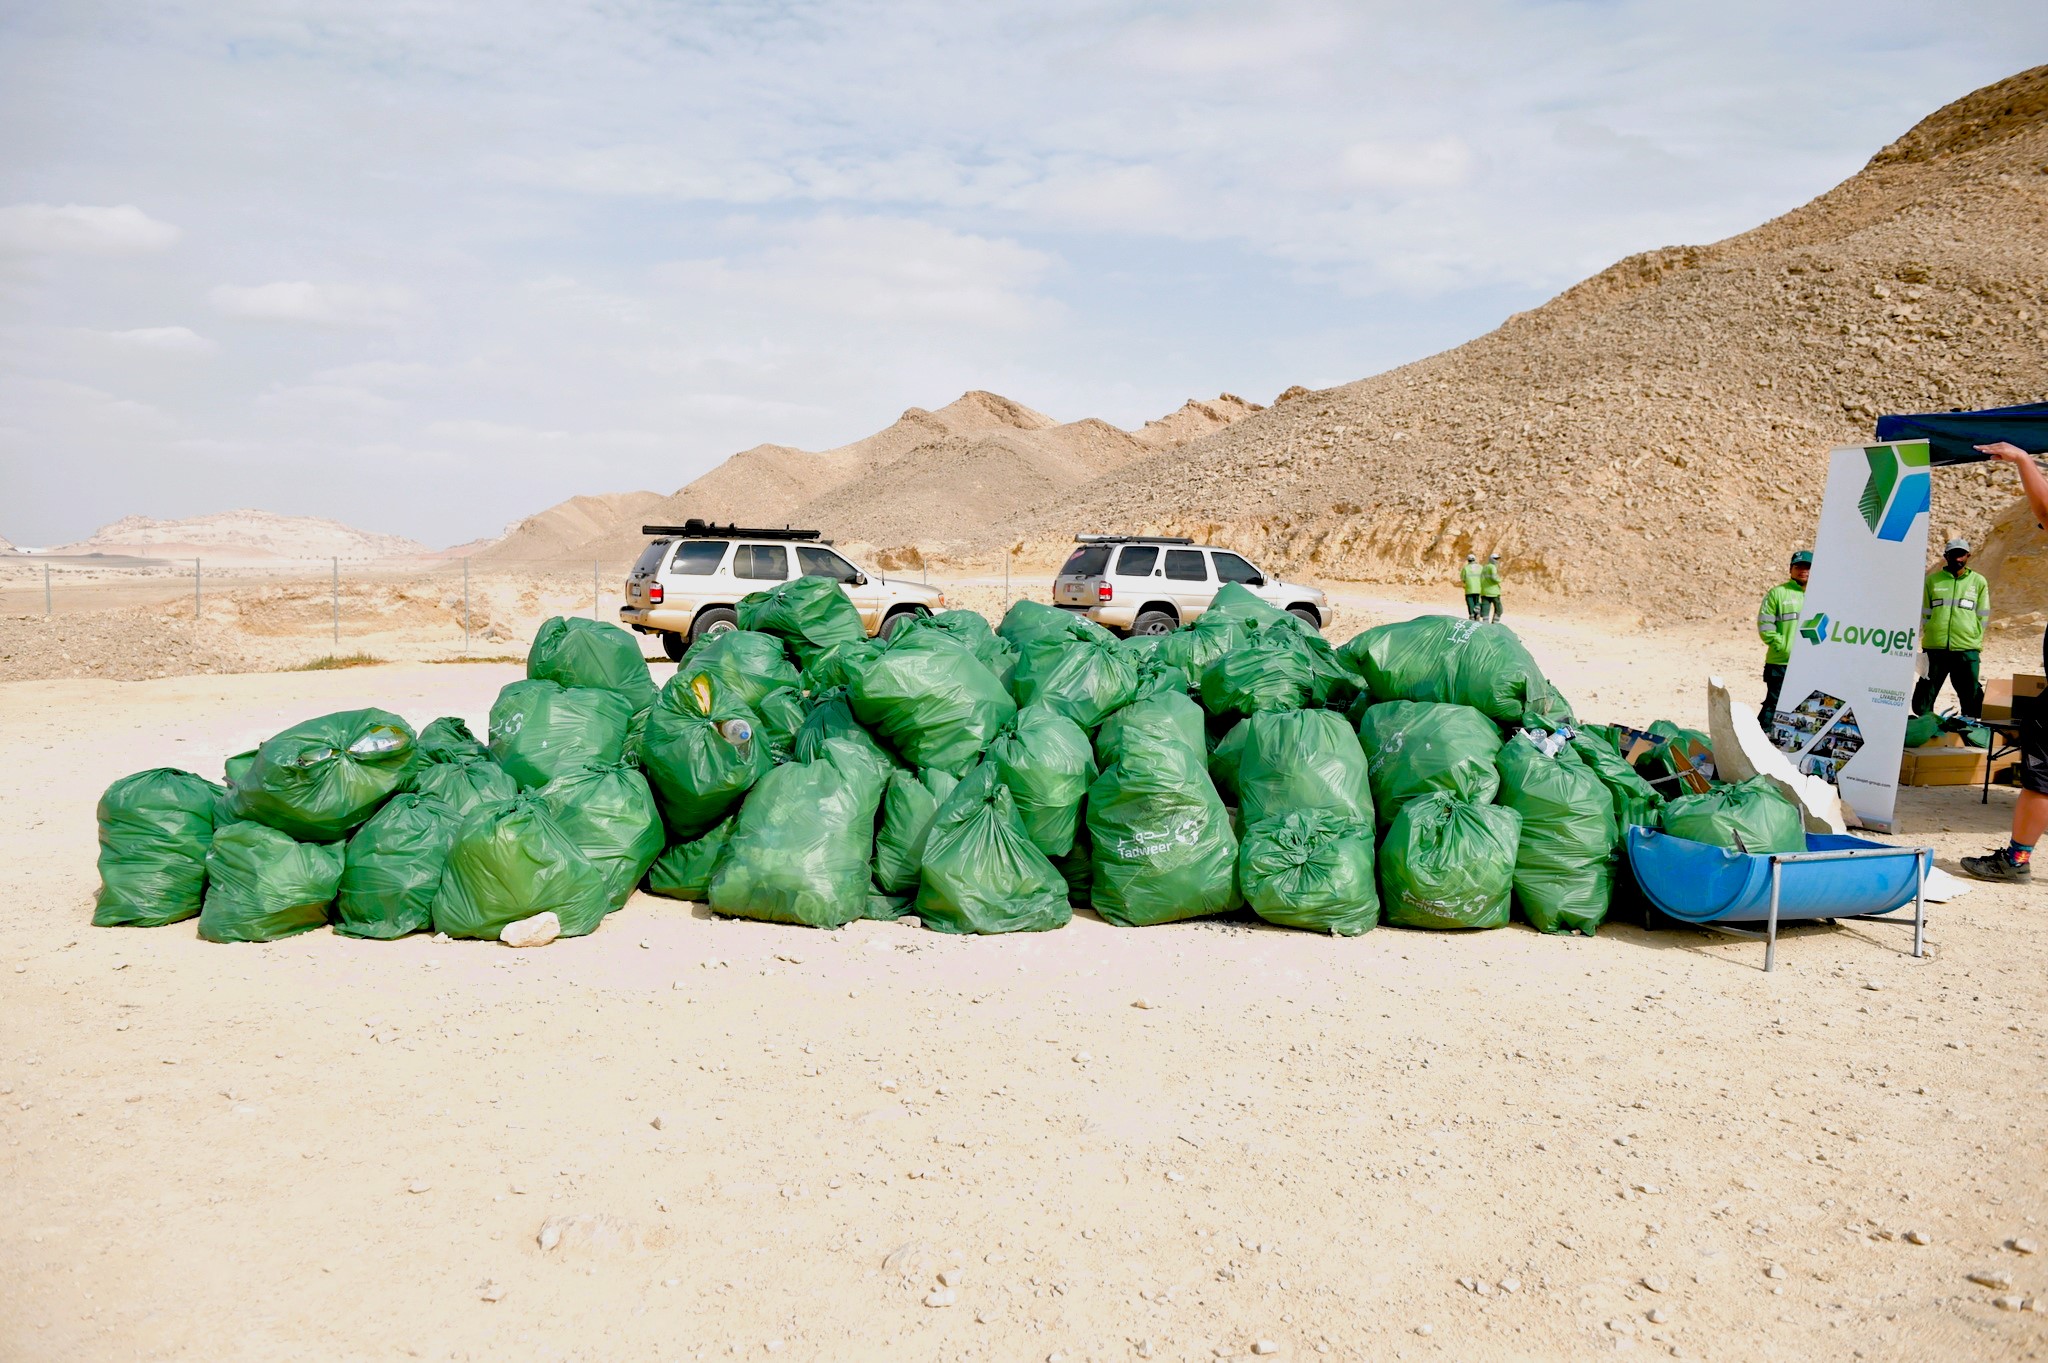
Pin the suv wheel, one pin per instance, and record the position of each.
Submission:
(674, 645)
(1152, 622)
(1306, 616)
(715, 620)
(892, 623)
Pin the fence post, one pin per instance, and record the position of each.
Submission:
(465, 603)
(595, 565)
(197, 602)
(1006, 577)
(335, 597)
(46, 591)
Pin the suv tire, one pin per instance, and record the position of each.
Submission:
(1153, 622)
(713, 620)
(673, 645)
(1307, 617)
(894, 621)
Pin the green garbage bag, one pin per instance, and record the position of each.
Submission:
(1922, 729)
(1270, 671)
(1087, 680)
(803, 841)
(1077, 868)
(782, 713)
(966, 628)
(1166, 717)
(938, 707)
(1564, 859)
(1693, 746)
(981, 873)
(832, 717)
(448, 739)
(1311, 868)
(810, 614)
(1635, 803)
(886, 908)
(234, 771)
(610, 814)
(540, 729)
(1449, 863)
(1028, 621)
(262, 885)
(701, 754)
(1414, 748)
(838, 665)
(316, 781)
(908, 803)
(155, 827)
(511, 861)
(1045, 760)
(1224, 759)
(1163, 845)
(1601, 734)
(392, 867)
(572, 651)
(1156, 675)
(1299, 759)
(684, 871)
(1751, 816)
(462, 786)
(746, 665)
(1193, 647)
(1457, 662)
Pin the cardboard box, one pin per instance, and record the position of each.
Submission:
(1945, 762)
(1999, 691)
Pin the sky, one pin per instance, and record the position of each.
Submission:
(427, 267)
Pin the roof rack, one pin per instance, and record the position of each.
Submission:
(698, 528)
(1132, 539)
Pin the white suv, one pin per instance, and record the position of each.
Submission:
(691, 576)
(1149, 584)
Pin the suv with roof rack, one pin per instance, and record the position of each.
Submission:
(1149, 584)
(690, 577)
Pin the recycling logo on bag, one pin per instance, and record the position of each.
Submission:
(1897, 490)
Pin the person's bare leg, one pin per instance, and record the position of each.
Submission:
(2029, 818)
(2014, 864)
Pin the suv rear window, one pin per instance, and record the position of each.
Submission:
(1138, 560)
(699, 558)
(649, 562)
(1231, 568)
(1185, 565)
(761, 562)
(1087, 561)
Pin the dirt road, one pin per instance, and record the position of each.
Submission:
(1185, 1142)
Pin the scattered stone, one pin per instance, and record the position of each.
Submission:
(1919, 1237)
(1658, 1316)
(1082, 1057)
(950, 1277)
(1511, 1285)
(773, 1346)
(1142, 1002)
(659, 1122)
(1265, 1346)
(2023, 1245)
(1622, 1327)
(944, 1296)
(536, 931)
(1656, 1284)
(417, 1186)
(911, 920)
(1425, 1330)
(491, 1292)
(2009, 1302)
(1144, 1346)
(1991, 1278)
(1775, 1271)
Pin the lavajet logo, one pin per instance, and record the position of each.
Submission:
(1819, 629)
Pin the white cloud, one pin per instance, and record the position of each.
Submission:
(1442, 163)
(334, 305)
(161, 340)
(376, 374)
(82, 230)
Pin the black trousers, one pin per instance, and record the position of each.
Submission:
(1489, 605)
(1472, 600)
(1958, 665)
(1774, 682)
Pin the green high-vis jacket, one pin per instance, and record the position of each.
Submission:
(1953, 610)
(1489, 580)
(1777, 618)
(1472, 574)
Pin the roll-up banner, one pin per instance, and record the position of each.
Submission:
(1849, 686)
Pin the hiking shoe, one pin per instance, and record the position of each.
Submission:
(1999, 866)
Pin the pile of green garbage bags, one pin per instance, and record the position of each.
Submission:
(983, 779)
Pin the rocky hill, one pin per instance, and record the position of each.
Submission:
(1657, 434)
(243, 536)
(958, 474)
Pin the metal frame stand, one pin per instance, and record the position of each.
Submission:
(1923, 861)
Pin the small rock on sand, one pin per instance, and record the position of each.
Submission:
(536, 931)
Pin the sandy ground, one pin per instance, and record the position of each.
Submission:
(1185, 1142)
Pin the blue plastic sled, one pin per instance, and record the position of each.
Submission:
(1835, 877)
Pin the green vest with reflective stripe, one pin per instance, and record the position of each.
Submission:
(1489, 580)
(1777, 619)
(1471, 574)
(1953, 610)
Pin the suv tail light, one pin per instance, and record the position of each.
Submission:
(654, 593)
(1104, 592)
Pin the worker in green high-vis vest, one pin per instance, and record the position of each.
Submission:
(1474, 578)
(1489, 589)
(1954, 604)
(1776, 619)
